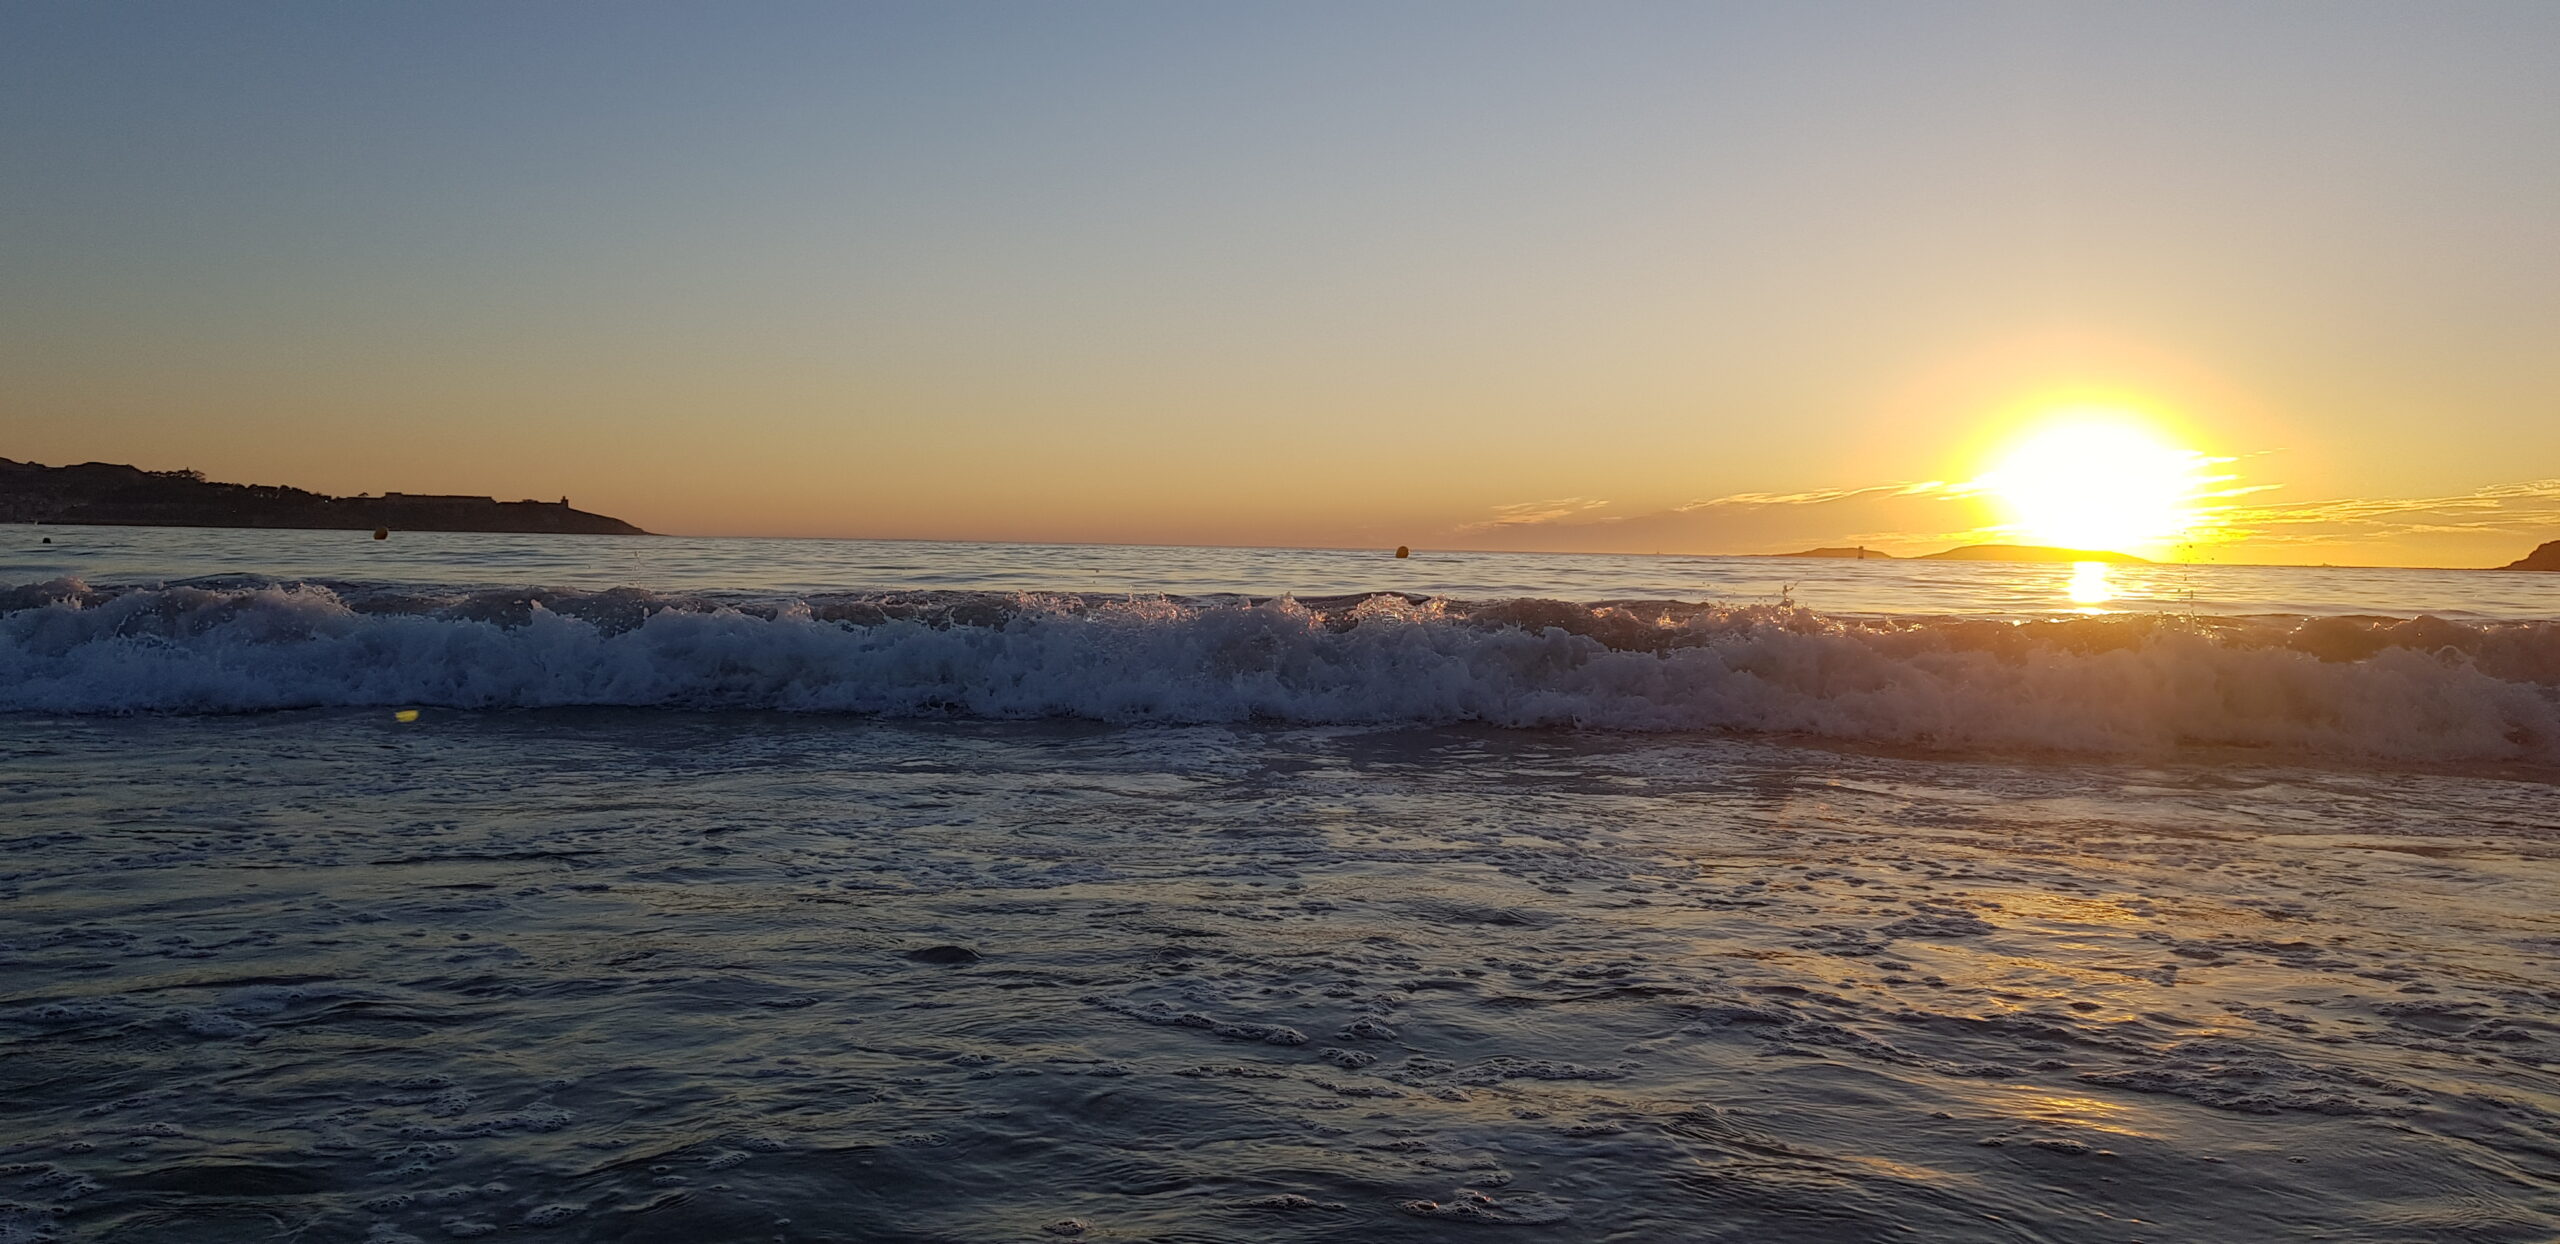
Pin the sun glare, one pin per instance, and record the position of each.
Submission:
(2089, 586)
(2098, 480)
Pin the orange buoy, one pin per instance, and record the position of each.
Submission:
(1402, 551)
(381, 533)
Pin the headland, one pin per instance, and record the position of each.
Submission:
(114, 494)
(2546, 557)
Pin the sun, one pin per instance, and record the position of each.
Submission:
(2099, 479)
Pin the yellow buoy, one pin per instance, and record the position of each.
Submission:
(406, 714)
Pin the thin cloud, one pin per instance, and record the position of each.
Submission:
(1533, 513)
(2519, 509)
(1826, 496)
(1903, 513)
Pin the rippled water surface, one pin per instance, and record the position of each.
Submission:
(628, 975)
(687, 890)
(800, 567)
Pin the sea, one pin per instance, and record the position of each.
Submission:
(659, 889)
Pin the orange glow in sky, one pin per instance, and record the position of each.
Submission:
(1609, 278)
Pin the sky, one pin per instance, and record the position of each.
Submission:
(1711, 277)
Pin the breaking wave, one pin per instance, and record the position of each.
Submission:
(2422, 689)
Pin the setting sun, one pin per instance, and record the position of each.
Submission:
(2098, 479)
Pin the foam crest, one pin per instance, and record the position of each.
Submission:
(2422, 689)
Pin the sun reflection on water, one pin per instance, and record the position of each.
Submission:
(2089, 587)
(2094, 1113)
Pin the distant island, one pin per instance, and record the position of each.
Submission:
(2545, 558)
(112, 494)
(1990, 553)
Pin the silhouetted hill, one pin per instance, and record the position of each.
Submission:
(1850, 554)
(106, 493)
(2545, 558)
(2030, 553)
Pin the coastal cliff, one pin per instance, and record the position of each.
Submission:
(112, 494)
(2545, 558)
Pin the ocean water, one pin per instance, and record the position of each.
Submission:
(803, 891)
(750, 570)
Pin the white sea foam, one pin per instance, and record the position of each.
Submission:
(2419, 690)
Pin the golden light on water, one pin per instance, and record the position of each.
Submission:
(2089, 584)
(2099, 479)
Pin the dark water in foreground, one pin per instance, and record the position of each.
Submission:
(618, 974)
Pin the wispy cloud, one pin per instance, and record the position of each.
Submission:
(2528, 508)
(1826, 496)
(1895, 514)
(1533, 513)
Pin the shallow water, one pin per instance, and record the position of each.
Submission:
(810, 891)
(614, 974)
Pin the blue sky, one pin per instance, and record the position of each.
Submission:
(1296, 273)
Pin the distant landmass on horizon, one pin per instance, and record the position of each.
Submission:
(113, 494)
(2546, 557)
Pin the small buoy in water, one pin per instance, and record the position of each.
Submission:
(48, 539)
(406, 714)
(1402, 551)
(381, 533)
